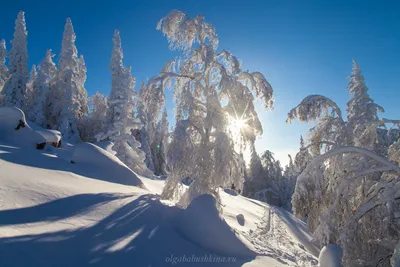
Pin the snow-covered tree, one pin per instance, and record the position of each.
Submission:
(151, 101)
(41, 86)
(342, 193)
(119, 118)
(302, 158)
(256, 179)
(144, 135)
(71, 76)
(212, 93)
(15, 87)
(30, 90)
(160, 144)
(362, 111)
(95, 121)
(3, 68)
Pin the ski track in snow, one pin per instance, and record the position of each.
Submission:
(51, 216)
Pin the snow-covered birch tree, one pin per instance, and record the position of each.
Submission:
(15, 87)
(212, 93)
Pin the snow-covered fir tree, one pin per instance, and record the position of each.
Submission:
(71, 105)
(203, 80)
(42, 86)
(256, 179)
(119, 118)
(15, 87)
(95, 121)
(342, 193)
(3, 68)
(362, 111)
(30, 90)
(302, 158)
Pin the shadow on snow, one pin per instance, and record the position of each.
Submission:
(140, 233)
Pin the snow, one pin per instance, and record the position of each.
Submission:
(51, 136)
(331, 256)
(56, 213)
(24, 136)
(106, 145)
(90, 158)
(199, 229)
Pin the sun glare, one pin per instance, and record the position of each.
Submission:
(236, 127)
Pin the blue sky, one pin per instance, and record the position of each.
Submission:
(302, 47)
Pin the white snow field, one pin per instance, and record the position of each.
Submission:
(97, 212)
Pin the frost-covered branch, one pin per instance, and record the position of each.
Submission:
(312, 108)
(350, 149)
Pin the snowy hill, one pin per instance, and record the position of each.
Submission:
(55, 213)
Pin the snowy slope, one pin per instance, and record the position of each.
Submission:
(53, 213)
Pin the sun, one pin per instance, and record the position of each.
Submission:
(236, 127)
(237, 124)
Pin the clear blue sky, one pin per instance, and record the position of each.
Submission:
(302, 47)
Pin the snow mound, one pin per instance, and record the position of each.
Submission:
(330, 256)
(24, 135)
(107, 146)
(51, 136)
(209, 230)
(97, 163)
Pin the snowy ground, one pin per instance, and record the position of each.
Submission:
(55, 213)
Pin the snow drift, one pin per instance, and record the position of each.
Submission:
(209, 230)
(90, 158)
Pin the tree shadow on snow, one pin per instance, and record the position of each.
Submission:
(58, 209)
(140, 233)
